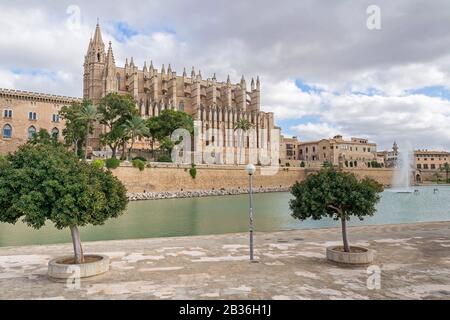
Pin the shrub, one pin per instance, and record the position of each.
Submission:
(140, 158)
(112, 163)
(193, 171)
(302, 164)
(164, 158)
(98, 163)
(138, 163)
(47, 182)
(335, 194)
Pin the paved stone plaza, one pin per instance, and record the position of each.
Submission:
(414, 261)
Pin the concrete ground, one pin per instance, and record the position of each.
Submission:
(414, 260)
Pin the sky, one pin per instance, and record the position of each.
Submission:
(326, 67)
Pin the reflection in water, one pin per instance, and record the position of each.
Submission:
(215, 215)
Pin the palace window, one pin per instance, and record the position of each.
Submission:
(31, 132)
(55, 118)
(7, 113)
(55, 133)
(32, 115)
(181, 106)
(7, 131)
(433, 166)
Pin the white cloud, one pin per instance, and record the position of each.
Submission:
(320, 42)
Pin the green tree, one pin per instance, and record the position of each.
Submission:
(446, 168)
(335, 194)
(89, 116)
(46, 182)
(162, 127)
(75, 130)
(244, 126)
(302, 164)
(134, 128)
(115, 110)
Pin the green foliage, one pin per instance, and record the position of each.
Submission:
(164, 158)
(374, 164)
(335, 194)
(161, 127)
(112, 163)
(133, 128)
(98, 163)
(76, 129)
(43, 182)
(115, 110)
(327, 164)
(302, 164)
(140, 158)
(139, 164)
(193, 171)
(42, 137)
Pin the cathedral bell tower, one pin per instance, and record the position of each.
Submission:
(99, 69)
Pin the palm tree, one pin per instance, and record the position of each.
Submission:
(244, 125)
(446, 169)
(89, 115)
(135, 127)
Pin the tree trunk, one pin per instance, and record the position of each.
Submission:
(344, 233)
(77, 248)
(131, 148)
(85, 150)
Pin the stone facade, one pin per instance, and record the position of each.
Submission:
(23, 113)
(215, 105)
(337, 151)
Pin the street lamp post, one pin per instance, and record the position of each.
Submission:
(250, 170)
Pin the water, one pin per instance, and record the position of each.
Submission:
(402, 175)
(216, 215)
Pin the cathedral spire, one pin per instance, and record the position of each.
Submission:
(193, 73)
(110, 57)
(258, 84)
(228, 81)
(145, 67)
(184, 73)
(252, 85)
(98, 41)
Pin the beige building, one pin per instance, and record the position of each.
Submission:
(388, 158)
(217, 104)
(288, 149)
(430, 160)
(356, 152)
(25, 113)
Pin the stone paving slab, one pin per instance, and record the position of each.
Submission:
(414, 260)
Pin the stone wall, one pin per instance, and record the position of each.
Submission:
(173, 178)
(382, 175)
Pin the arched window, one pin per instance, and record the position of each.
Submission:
(181, 106)
(31, 132)
(55, 133)
(7, 131)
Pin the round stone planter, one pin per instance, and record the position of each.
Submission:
(359, 255)
(95, 265)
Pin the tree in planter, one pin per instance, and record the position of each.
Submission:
(335, 194)
(43, 181)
